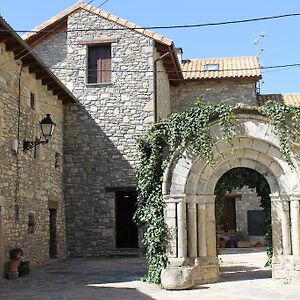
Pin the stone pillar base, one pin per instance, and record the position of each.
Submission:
(189, 272)
(286, 269)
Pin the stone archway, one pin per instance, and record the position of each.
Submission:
(188, 188)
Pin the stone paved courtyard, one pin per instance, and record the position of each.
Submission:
(243, 277)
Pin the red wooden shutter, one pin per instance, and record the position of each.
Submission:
(93, 55)
(106, 63)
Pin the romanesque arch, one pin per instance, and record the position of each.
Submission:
(188, 188)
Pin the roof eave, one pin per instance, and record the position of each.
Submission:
(29, 59)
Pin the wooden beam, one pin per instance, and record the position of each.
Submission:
(51, 86)
(27, 60)
(56, 91)
(12, 45)
(47, 80)
(34, 69)
(62, 97)
(41, 75)
(5, 37)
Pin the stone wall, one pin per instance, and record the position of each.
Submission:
(101, 132)
(29, 180)
(163, 90)
(212, 91)
(247, 202)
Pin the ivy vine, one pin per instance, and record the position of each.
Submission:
(174, 134)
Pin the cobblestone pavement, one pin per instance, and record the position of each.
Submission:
(243, 277)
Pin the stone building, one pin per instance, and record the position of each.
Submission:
(125, 79)
(32, 208)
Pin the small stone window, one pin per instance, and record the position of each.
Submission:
(211, 67)
(31, 223)
(99, 64)
(32, 101)
(58, 161)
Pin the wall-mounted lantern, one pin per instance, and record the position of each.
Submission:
(47, 128)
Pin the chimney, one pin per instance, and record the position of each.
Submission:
(179, 54)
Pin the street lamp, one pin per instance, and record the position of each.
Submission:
(47, 128)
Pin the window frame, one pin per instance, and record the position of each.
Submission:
(211, 67)
(96, 44)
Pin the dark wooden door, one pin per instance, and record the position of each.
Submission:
(229, 214)
(52, 227)
(126, 229)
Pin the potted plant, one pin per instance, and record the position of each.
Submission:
(15, 257)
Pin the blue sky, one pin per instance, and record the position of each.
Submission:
(281, 43)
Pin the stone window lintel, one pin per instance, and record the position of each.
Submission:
(96, 42)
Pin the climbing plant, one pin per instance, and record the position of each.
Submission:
(190, 127)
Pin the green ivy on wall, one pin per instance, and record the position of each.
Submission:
(190, 127)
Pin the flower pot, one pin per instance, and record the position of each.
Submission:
(13, 265)
(13, 269)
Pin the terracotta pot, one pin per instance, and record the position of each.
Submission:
(13, 265)
(222, 243)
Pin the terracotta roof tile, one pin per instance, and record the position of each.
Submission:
(225, 67)
(102, 13)
(289, 99)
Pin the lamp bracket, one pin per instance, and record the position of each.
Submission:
(27, 145)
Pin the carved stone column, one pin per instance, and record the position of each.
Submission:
(192, 230)
(170, 214)
(295, 224)
(285, 224)
(202, 247)
(182, 232)
(276, 224)
(211, 226)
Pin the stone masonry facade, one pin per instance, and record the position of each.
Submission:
(213, 91)
(31, 181)
(248, 201)
(101, 132)
(97, 138)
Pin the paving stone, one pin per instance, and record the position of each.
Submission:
(243, 276)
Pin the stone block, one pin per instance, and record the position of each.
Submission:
(177, 278)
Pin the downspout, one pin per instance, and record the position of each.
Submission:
(155, 82)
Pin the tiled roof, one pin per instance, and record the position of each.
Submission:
(289, 99)
(225, 67)
(81, 5)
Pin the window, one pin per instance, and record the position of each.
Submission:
(99, 64)
(32, 101)
(256, 222)
(31, 223)
(211, 67)
(58, 161)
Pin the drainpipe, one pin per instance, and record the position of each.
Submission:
(155, 82)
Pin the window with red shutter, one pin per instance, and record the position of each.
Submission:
(99, 64)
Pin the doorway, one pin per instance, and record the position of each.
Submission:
(228, 219)
(126, 229)
(52, 228)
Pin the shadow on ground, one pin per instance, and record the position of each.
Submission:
(241, 272)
